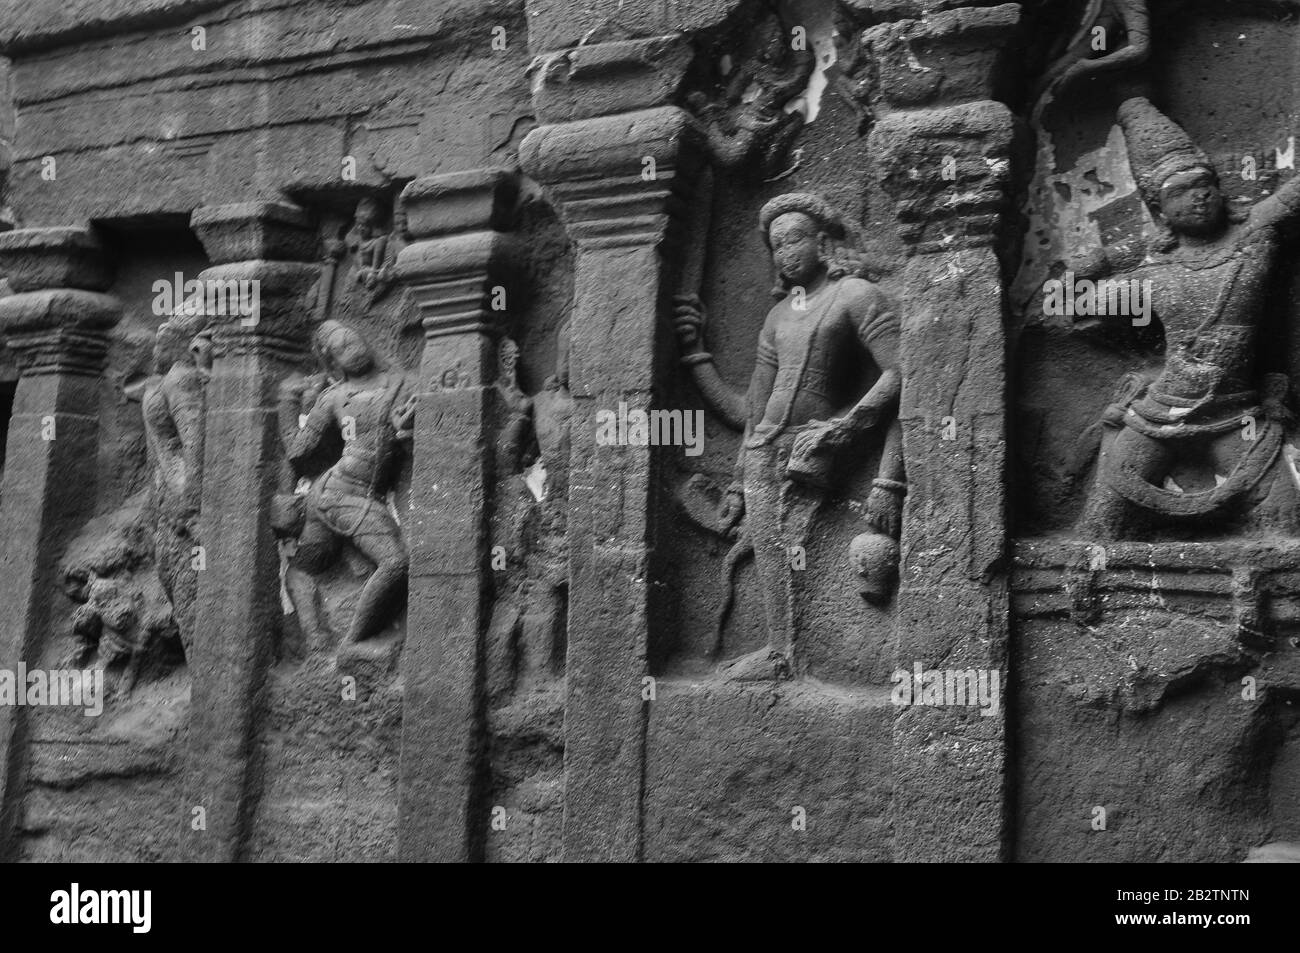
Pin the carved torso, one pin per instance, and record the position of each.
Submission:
(817, 351)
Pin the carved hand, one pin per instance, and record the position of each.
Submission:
(404, 417)
(885, 511)
(688, 322)
(817, 436)
(733, 508)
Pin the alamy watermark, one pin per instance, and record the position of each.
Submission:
(944, 687)
(74, 906)
(1071, 296)
(651, 428)
(213, 297)
(56, 687)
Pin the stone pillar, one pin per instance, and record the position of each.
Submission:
(238, 611)
(457, 270)
(57, 325)
(944, 157)
(618, 183)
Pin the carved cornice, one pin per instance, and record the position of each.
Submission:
(247, 231)
(482, 199)
(943, 58)
(602, 78)
(39, 259)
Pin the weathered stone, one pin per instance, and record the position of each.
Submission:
(420, 528)
(254, 230)
(35, 259)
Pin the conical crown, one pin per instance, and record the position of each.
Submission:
(1157, 147)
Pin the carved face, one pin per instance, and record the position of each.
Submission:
(796, 247)
(347, 352)
(367, 214)
(168, 347)
(201, 351)
(1192, 203)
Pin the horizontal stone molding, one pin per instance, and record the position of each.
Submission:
(246, 231)
(37, 259)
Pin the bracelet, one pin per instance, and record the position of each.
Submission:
(894, 486)
(699, 357)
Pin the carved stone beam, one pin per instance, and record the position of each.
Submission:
(57, 323)
(618, 183)
(238, 613)
(944, 157)
(457, 271)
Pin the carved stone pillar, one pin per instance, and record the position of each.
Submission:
(618, 183)
(238, 610)
(944, 155)
(57, 324)
(457, 268)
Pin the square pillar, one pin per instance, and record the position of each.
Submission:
(58, 325)
(619, 184)
(457, 269)
(237, 612)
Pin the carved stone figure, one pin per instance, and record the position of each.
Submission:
(351, 446)
(173, 407)
(528, 523)
(122, 618)
(746, 125)
(1203, 441)
(800, 418)
(368, 243)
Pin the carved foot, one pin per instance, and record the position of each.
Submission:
(765, 665)
(378, 654)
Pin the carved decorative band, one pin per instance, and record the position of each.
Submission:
(459, 305)
(602, 213)
(60, 351)
(236, 341)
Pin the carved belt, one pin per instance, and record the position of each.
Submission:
(1165, 417)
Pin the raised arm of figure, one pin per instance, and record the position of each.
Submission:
(688, 323)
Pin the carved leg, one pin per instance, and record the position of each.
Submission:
(384, 594)
(1106, 514)
(1277, 498)
(778, 514)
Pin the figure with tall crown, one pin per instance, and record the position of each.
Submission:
(1203, 442)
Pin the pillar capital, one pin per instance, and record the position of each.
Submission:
(617, 180)
(58, 331)
(248, 231)
(948, 173)
(460, 269)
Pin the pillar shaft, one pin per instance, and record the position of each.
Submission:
(947, 169)
(60, 337)
(238, 613)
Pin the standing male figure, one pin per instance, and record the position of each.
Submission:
(799, 411)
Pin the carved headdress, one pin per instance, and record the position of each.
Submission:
(844, 259)
(1157, 147)
(814, 206)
